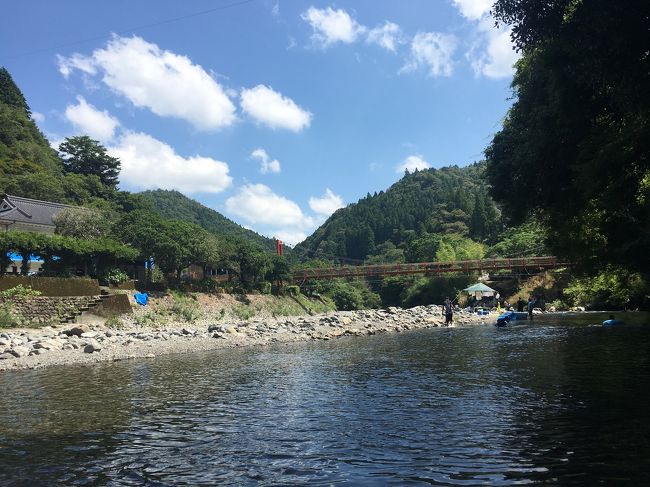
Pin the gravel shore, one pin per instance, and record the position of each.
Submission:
(85, 344)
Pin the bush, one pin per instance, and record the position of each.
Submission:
(115, 276)
(243, 312)
(19, 291)
(265, 287)
(185, 308)
(7, 320)
(611, 289)
(292, 290)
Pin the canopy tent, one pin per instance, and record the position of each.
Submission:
(480, 290)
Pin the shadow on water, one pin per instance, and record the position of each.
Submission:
(555, 401)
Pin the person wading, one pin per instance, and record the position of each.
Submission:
(448, 311)
(531, 305)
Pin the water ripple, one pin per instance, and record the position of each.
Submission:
(548, 403)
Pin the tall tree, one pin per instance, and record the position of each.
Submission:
(575, 146)
(83, 155)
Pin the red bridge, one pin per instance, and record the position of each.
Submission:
(534, 264)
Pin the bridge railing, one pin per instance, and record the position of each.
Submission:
(463, 266)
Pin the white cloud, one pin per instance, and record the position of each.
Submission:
(270, 108)
(291, 237)
(331, 26)
(434, 51)
(266, 163)
(326, 204)
(473, 9)
(38, 117)
(387, 36)
(76, 62)
(168, 84)
(493, 56)
(90, 121)
(148, 163)
(412, 163)
(258, 204)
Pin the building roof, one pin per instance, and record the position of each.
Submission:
(26, 210)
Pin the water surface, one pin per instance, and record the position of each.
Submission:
(555, 402)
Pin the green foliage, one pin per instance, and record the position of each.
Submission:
(176, 206)
(244, 311)
(425, 291)
(115, 276)
(82, 223)
(61, 253)
(292, 290)
(348, 296)
(185, 308)
(19, 291)
(574, 146)
(443, 201)
(83, 155)
(522, 241)
(150, 319)
(443, 248)
(114, 322)
(7, 319)
(610, 289)
(265, 287)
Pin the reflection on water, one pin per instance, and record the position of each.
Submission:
(555, 402)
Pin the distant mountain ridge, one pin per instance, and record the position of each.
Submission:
(175, 205)
(450, 200)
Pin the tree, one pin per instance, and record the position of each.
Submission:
(83, 155)
(10, 94)
(81, 223)
(575, 146)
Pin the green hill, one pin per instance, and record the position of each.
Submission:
(451, 201)
(175, 205)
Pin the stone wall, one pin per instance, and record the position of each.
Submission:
(49, 310)
(53, 286)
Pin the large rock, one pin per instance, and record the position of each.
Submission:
(6, 356)
(46, 345)
(77, 330)
(20, 351)
(92, 346)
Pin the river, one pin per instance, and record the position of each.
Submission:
(556, 402)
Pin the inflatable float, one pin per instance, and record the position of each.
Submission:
(509, 316)
(612, 322)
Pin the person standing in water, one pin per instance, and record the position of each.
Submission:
(531, 305)
(448, 311)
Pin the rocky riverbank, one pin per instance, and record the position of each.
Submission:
(83, 344)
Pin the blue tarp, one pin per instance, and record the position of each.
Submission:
(32, 258)
(141, 298)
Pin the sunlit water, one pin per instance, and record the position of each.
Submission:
(555, 402)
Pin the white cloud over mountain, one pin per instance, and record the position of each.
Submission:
(412, 163)
(88, 120)
(258, 204)
(326, 204)
(148, 163)
(270, 108)
(168, 84)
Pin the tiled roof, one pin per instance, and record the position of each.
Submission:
(27, 210)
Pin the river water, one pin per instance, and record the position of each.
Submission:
(557, 402)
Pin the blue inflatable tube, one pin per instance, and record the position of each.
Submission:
(612, 322)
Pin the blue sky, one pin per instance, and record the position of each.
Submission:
(274, 113)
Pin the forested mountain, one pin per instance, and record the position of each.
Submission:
(175, 205)
(451, 201)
